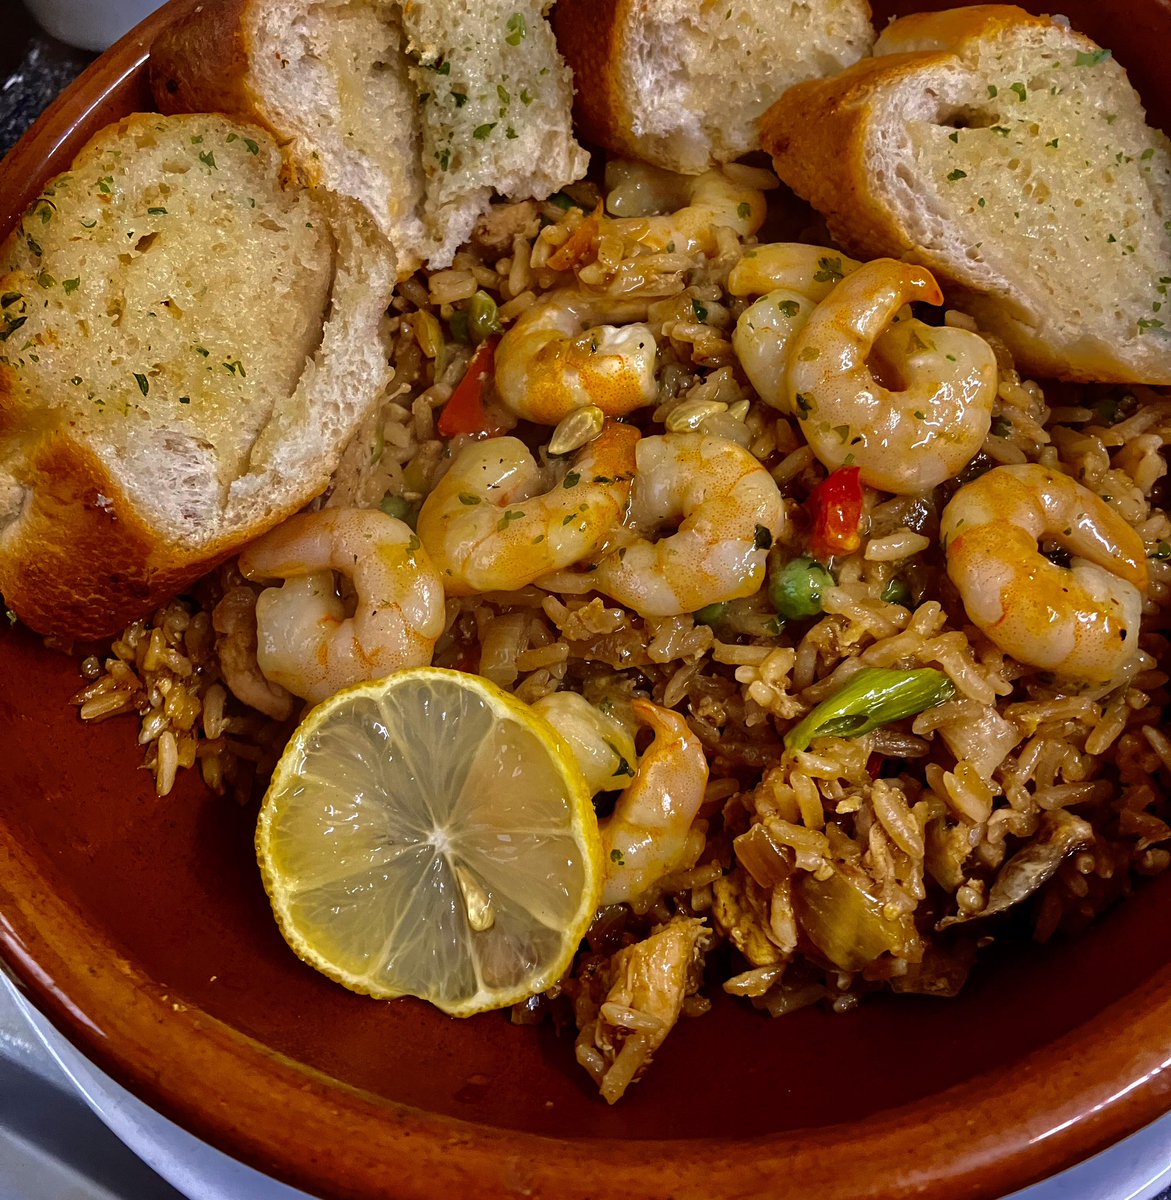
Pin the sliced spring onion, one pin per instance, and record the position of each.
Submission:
(876, 696)
(795, 587)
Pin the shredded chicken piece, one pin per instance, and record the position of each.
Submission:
(648, 984)
(740, 909)
(495, 230)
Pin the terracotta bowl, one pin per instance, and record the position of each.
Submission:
(140, 927)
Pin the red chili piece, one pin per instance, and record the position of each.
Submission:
(465, 411)
(837, 514)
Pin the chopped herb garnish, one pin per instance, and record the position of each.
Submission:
(517, 28)
(525, 96)
(992, 90)
(763, 538)
(1091, 58)
(954, 136)
(1002, 130)
(804, 404)
(235, 367)
(460, 99)
(157, 212)
(1149, 152)
(143, 383)
(956, 174)
(1162, 551)
(512, 515)
(184, 399)
(617, 857)
(45, 280)
(829, 270)
(571, 480)
(1052, 145)
(469, 499)
(699, 310)
(744, 210)
(481, 132)
(105, 184)
(207, 157)
(1022, 93)
(1146, 323)
(789, 308)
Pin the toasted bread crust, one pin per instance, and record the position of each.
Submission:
(951, 28)
(817, 134)
(78, 561)
(590, 38)
(202, 64)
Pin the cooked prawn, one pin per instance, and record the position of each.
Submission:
(812, 271)
(646, 836)
(602, 745)
(681, 213)
(762, 339)
(790, 278)
(486, 531)
(906, 439)
(1080, 621)
(305, 641)
(560, 356)
(731, 512)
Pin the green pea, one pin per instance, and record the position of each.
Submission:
(795, 587)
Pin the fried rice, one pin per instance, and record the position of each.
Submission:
(883, 861)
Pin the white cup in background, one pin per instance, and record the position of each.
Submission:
(90, 24)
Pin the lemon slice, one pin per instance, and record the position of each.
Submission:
(430, 835)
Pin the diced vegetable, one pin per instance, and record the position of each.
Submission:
(403, 510)
(837, 514)
(876, 696)
(581, 246)
(848, 924)
(711, 614)
(795, 587)
(465, 411)
(897, 592)
(483, 320)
